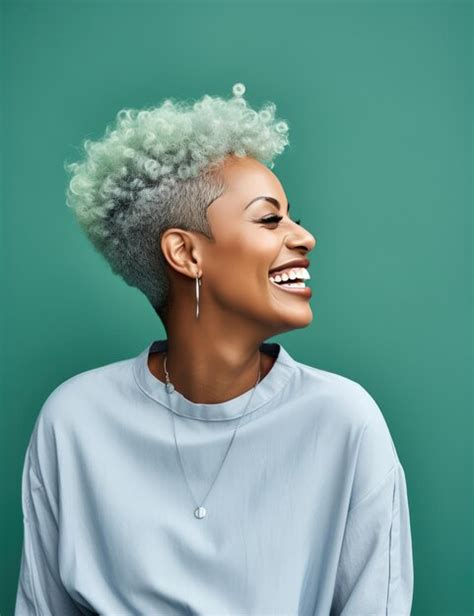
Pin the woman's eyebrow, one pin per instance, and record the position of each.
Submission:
(270, 200)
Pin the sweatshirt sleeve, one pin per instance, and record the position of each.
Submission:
(40, 591)
(375, 571)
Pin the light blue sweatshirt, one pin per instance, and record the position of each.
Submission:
(308, 515)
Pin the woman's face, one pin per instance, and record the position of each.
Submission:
(249, 241)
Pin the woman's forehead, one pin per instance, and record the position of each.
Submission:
(245, 180)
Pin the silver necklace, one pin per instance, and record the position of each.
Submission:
(200, 511)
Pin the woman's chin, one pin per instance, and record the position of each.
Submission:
(294, 307)
(293, 317)
(304, 320)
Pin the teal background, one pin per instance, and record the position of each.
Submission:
(378, 97)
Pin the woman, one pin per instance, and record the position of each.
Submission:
(212, 473)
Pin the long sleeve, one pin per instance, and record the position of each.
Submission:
(375, 571)
(40, 591)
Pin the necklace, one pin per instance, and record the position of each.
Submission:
(200, 511)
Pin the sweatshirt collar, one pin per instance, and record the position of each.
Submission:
(271, 385)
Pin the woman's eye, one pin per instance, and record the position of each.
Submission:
(276, 219)
(272, 219)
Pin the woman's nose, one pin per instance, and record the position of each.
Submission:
(302, 237)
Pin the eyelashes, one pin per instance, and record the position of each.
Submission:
(277, 219)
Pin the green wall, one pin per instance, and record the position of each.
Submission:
(378, 96)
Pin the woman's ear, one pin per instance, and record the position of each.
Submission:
(180, 251)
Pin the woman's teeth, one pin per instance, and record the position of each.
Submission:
(301, 285)
(299, 275)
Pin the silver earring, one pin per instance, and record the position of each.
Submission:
(198, 284)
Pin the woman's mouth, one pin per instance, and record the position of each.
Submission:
(292, 281)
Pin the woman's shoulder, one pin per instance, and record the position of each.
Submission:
(84, 390)
(70, 410)
(343, 402)
(344, 409)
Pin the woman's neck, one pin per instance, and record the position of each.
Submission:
(210, 375)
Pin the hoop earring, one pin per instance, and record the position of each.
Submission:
(198, 284)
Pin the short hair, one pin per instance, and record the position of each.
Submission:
(156, 169)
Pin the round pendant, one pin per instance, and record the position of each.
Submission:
(169, 388)
(200, 512)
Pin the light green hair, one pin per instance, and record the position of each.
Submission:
(157, 169)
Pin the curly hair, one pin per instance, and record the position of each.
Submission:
(156, 169)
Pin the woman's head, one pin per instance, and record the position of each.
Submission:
(188, 167)
(252, 236)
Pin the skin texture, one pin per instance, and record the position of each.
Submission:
(216, 357)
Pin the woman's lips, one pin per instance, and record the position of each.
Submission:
(304, 291)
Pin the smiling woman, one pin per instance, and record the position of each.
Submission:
(211, 473)
(159, 168)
